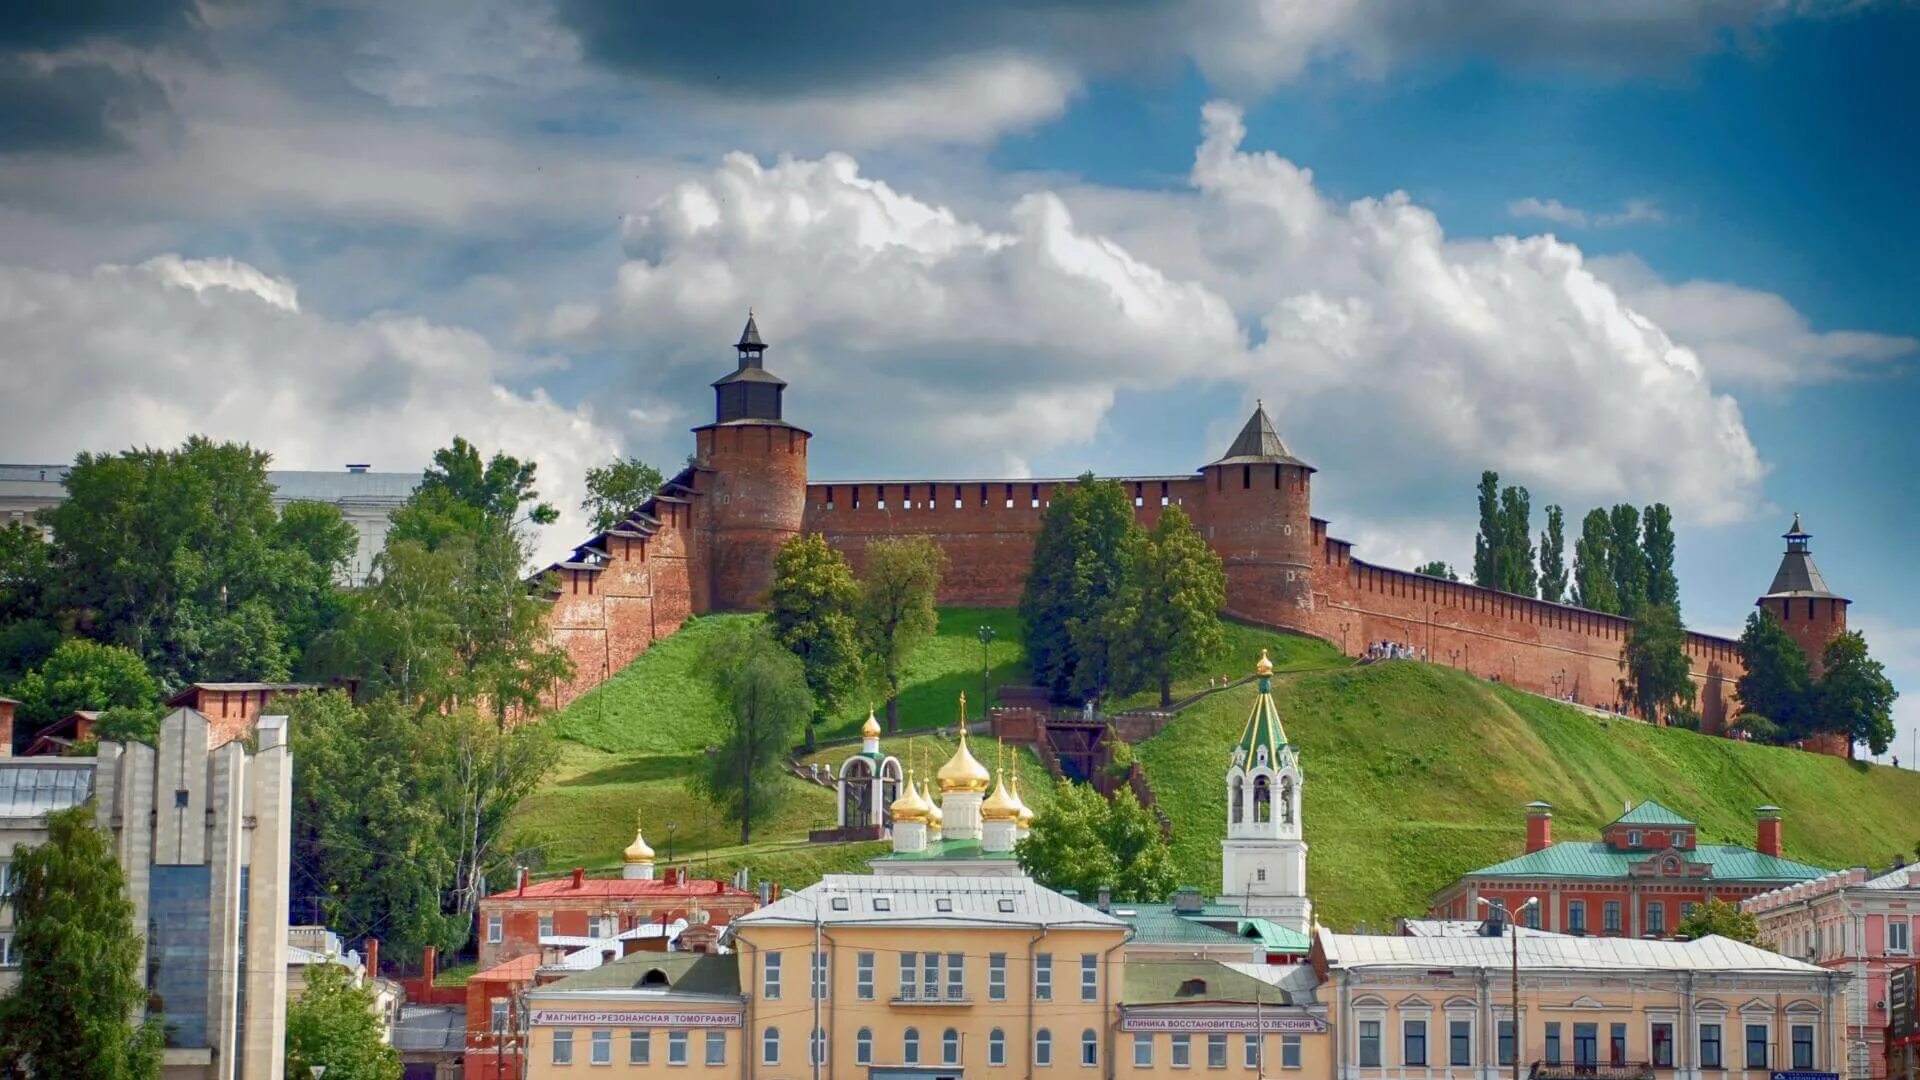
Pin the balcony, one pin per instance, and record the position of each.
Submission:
(1562, 1070)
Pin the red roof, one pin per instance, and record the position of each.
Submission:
(621, 889)
(518, 969)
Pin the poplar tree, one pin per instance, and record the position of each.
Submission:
(1553, 557)
(1487, 542)
(1593, 587)
(1659, 682)
(1628, 561)
(1657, 542)
(1516, 570)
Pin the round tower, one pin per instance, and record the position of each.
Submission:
(752, 478)
(1811, 613)
(1256, 511)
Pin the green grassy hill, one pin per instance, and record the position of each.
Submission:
(1416, 773)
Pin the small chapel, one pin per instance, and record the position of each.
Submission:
(968, 830)
(1263, 859)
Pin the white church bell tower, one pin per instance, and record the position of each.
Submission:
(1263, 860)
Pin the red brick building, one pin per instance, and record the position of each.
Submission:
(231, 708)
(513, 922)
(1640, 879)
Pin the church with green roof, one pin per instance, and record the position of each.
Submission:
(1263, 859)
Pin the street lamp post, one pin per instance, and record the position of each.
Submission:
(672, 827)
(1513, 934)
(985, 635)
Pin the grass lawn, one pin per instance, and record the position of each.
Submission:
(1415, 774)
(1289, 652)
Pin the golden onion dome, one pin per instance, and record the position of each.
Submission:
(1001, 805)
(1265, 666)
(637, 853)
(870, 729)
(909, 806)
(963, 772)
(934, 814)
(1025, 815)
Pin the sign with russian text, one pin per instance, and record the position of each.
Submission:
(1283, 1024)
(1796, 1075)
(651, 1018)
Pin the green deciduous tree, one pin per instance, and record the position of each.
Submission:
(1078, 566)
(83, 674)
(1516, 569)
(1553, 557)
(1084, 842)
(28, 601)
(1627, 560)
(1593, 586)
(1719, 918)
(895, 611)
(617, 488)
(813, 604)
(81, 985)
(1167, 612)
(1853, 695)
(333, 1023)
(461, 495)
(1776, 681)
(1437, 569)
(1655, 662)
(1657, 543)
(765, 691)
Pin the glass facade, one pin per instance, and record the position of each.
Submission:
(179, 951)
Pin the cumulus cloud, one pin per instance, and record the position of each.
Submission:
(1633, 211)
(149, 354)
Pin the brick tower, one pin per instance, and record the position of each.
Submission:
(752, 474)
(1812, 614)
(1256, 512)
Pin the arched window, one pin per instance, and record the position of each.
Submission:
(1235, 810)
(819, 1047)
(1262, 799)
(863, 1047)
(910, 1047)
(1043, 1047)
(770, 1046)
(654, 977)
(1286, 800)
(950, 1047)
(1089, 1048)
(996, 1047)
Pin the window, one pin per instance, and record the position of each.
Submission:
(1710, 1056)
(1369, 1044)
(817, 1050)
(1043, 1047)
(1656, 917)
(1413, 1042)
(1089, 1047)
(494, 935)
(1143, 1050)
(910, 1047)
(677, 1047)
(996, 1047)
(956, 976)
(863, 1047)
(716, 1048)
(909, 975)
(1251, 1054)
(1803, 1047)
(1553, 1044)
(930, 976)
(1577, 916)
(546, 925)
(1660, 1037)
(1089, 977)
(1460, 1042)
(1043, 977)
(950, 1047)
(770, 1046)
(639, 1047)
(883, 903)
(1182, 1051)
(863, 976)
(1586, 1045)
(943, 904)
(1505, 1039)
(1610, 916)
(1686, 909)
(499, 1022)
(819, 972)
(1289, 1051)
(1897, 936)
(1216, 1051)
(1633, 837)
(1617, 1045)
(1005, 905)
(1532, 916)
(1756, 1046)
(997, 977)
(6, 879)
(770, 977)
(563, 1047)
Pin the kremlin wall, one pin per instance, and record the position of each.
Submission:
(707, 541)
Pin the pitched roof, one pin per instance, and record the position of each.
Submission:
(1159, 924)
(1797, 575)
(685, 972)
(1196, 982)
(1273, 937)
(1550, 952)
(1591, 859)
(882, 899)
(1258, 444)
(1263, 725)
(750, 335)
(1651, 813)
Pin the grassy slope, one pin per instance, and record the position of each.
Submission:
(1289, 652)
(1416, 774)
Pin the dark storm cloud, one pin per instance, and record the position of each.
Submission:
(71, 108)
(47, 25)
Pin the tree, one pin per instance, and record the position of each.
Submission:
(1657, 542)
(29, 628)
(459, 495)
(82, 674)
(1655, 660)
(1077, 568)
(1487, 542)
(765, 691)
(814, 601)
(1776, 681)
(333, 1023)
(895, 611)
(617, 488)
(125, 724)
(1084, 842)
(1167, 612)
(1593, 586)
(81, 984)
(1627, 560)
(1720, 918)
(1553, 557)
(1516, 570)
(1437, 569)
(1853, 695)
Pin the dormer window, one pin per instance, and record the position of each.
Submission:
(1193, 988)
(839, 903)
(883, 903)
(943, 904)
(1006, 905)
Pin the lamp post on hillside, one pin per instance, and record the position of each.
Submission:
(985, 635)
(1513, 933)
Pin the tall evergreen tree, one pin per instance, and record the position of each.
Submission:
(1488, 541)
(1628, 560)
(1853, 694)
(81, 988)
(1593, 587)
(814, 602)
(895, 610)
(1168, 608)
(1655, 661)
(1776, 681)
(1516, 569)
(1077, 568)
(765, 691)
(1553, 557)
(1663, 587)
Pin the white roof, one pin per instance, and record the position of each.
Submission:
(1554, 953)
(898, 899)
(588, 952)
(1459, 928)
(1901, 877)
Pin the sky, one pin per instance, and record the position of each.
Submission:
(1647, 251)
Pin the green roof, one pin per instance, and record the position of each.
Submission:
(686, 972)
(1173, 983)
(1158, 924)
(944, 849)
(1274, 937)
(1591, 859)
(1651, 813)
(1263, 725)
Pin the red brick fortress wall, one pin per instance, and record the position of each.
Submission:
(752, 480)
(605, 618)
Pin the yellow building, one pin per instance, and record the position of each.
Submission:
(642, 1014)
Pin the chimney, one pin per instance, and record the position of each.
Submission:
(1769, 832)
(523, 881)
(1105, 898)
(1539, 826)
(373, 957)
(429, 962)
(579, 877)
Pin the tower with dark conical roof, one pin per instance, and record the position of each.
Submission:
(1255, 509)
(1811, 613)
(1263, 860)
